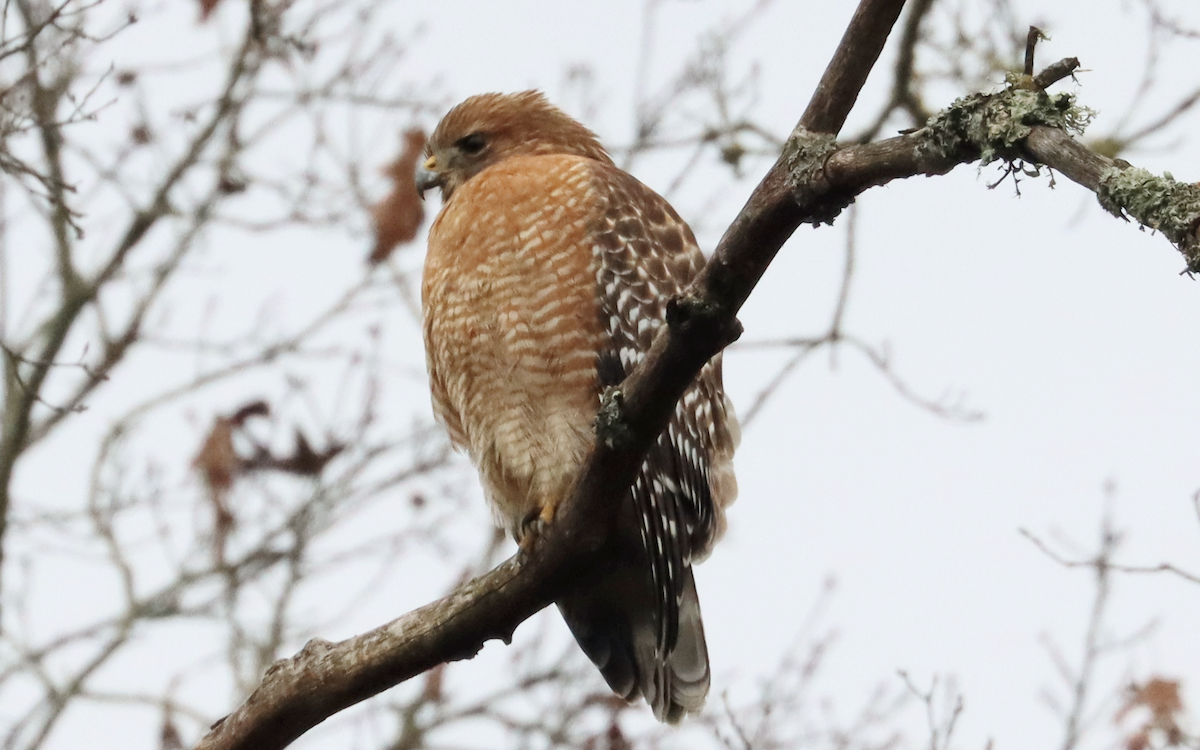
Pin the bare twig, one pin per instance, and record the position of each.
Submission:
(941, 728)
(1077, 712)
(1035, 35)
(1083, 679)
(1119, 567)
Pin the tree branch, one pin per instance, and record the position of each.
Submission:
(852, 62)
(905, 94)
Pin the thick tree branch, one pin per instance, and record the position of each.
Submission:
(905, 95)
(1016, 125)
(852, 62)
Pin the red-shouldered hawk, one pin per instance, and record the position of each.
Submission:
(549, 271)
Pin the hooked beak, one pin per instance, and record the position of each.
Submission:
(428, 177)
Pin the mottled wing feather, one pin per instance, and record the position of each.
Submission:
(645, 255)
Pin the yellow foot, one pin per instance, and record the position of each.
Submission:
(533, 526)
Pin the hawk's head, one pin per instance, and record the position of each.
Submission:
(488, 128)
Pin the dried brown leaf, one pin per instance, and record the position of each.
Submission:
(1139, 740)
(217, 461)
(303, 460)
(399, 215)
(206, 9)
(1161, 698)
(219, 465)
(252, 409)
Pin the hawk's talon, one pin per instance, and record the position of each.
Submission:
(529, 530)
(533, 525)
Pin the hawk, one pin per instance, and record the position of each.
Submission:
(549, 271)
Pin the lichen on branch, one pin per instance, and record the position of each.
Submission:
(611, 429)
(823, 177)
(1162, 203)
(994, 125)
(805, 154)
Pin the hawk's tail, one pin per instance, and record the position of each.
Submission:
(616, 622)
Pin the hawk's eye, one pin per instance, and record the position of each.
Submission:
(471, 144)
